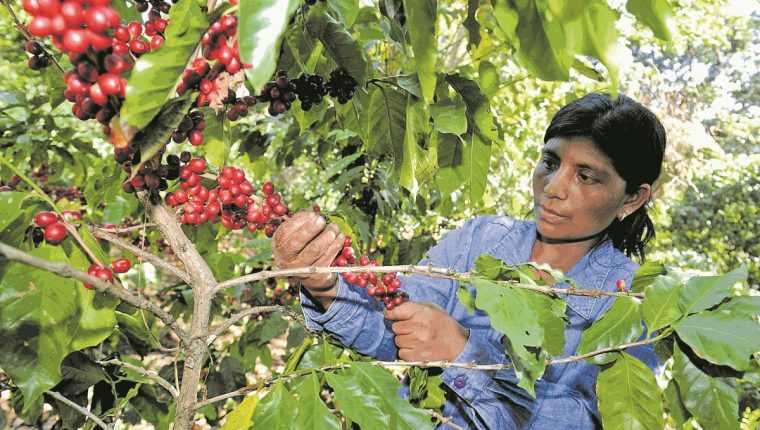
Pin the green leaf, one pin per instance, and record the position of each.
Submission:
(660, 304)
(347, 10)
(629, 397)
(476, 161)
(532, 322)
(542, 46)
(312, 411)
(620, 324)
(600, 36)
(722, 337)
(10, 207)
(702, 292)
(261, 26)
(158, 133)
(215, 146)
(386, 124)
(646, 274)
(43, 318)
(155, 75)
(488, 78)
(93, 244)
(242, 416)
(339, 166)
(126, 11)
(367, 395)
(417, 166)
(78, 374)
(479, 116)
(466, 299)
(276, 411)
(55, 86)
(655, 14)
(420, 22)
(449, 115)
(713, 401)
(673, 404)
(344, 50)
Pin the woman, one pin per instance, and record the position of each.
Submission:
(590, 189)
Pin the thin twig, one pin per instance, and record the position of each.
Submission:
(131, 228)
(144, 372)
(425, 364)
(433, 272)
(147, 256)
(24, 32)
(66, 271)
(80, 409)
(211, 335)
(443, 420)
(90, 253)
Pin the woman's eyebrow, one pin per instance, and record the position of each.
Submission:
(596, 169)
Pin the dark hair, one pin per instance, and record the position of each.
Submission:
(633, 138)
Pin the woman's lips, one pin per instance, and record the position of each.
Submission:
(548, 214)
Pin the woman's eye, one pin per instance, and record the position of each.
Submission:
(587, 179)
(550, 164)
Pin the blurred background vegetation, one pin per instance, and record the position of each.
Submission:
(704, 87)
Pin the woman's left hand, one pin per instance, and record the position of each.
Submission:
(425, 332)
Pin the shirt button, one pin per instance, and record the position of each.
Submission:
(460, 382)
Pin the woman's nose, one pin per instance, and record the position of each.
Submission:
(555, 185)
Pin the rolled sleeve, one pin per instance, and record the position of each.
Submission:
(480, 348)
(353, 318)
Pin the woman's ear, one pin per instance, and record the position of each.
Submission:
(635, 200)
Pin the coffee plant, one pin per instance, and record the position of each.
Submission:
(136, 281)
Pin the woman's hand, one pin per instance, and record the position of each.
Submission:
(306, 240)
(425, 332)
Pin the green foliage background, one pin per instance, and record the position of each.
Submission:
(398, 199)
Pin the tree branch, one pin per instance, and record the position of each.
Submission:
(211, 335)
(80, 409)
(433, 272)
(66, 271)
(147, 256)
(202, 282)
(129, 229)
(144, 372)
(425, 364)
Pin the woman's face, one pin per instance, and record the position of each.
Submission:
(576, 191)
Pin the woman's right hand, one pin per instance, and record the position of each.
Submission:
(306, 240)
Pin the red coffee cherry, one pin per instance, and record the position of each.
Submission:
(121, 265)
(44, 219)
(55, 233)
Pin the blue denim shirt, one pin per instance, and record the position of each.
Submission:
(565, 395)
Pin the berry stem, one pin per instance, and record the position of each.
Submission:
(24, 32)
(31, 183)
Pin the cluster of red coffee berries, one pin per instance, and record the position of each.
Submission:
(96, 87)
(231, 200)
(39, 59)
(191, 128)
(120, 265)
(129, 37)
(55, 231)
(75, 25)
(192, 77)
(279, 93)
(219, 43)
(386, 288)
